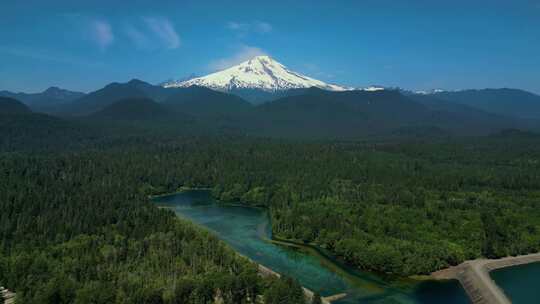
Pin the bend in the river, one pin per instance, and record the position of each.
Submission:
(247, 230)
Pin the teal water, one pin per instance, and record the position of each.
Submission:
(247, 230)
(520, 283)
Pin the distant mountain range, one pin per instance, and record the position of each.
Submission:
(300, 113)
(510, 102)
(349, 114)
(46, 101)
(297, 106)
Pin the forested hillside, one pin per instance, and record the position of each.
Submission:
(398, 208)
(76, 221)
(78, 227)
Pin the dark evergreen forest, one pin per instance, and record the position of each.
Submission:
(77, 226)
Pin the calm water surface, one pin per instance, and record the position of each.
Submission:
(248, 229)
(520, 283)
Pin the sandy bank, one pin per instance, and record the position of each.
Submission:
(267, 272)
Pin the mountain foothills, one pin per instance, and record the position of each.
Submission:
(134, 110)
(12, 106)
(206, 103)
(384, 180)
(299, 107)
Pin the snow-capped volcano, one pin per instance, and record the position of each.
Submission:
(262, 73)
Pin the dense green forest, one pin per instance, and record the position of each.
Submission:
(77, 227)
(76, 223)
(396, 208)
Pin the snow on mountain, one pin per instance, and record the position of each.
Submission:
(373, 88)
(171, 82)
(261, 72)
(430, 92)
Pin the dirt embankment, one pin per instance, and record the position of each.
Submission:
(267, 272)
(474, 277)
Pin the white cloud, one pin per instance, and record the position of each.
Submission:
(164, 30)
(242, 29)
(101, 33)
(138, 37)
(235, 26)
(243, 53)
(263, 27)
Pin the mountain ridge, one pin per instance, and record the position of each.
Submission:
(205, 102)
(302, 112)
(45, 101)
(503, 101)
(134, 109)
(10, 106)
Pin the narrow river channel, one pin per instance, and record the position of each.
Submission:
(247, 230)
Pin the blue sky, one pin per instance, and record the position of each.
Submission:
(412, 44)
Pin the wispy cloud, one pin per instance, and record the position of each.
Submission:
(94, 29)
(138, 37)
(243, 53)
(243, 28)
(145, 32)
(47, 55)
(164, 30)
(101, 33)
(235, 26)
(263, 27)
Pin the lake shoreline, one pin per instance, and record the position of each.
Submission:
(377, 282)
(263, 270)
(475, 279)
(335, 260)
(178, 191)
(308, 293)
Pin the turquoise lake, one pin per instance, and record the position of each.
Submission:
(520, 283)
(247, 230)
